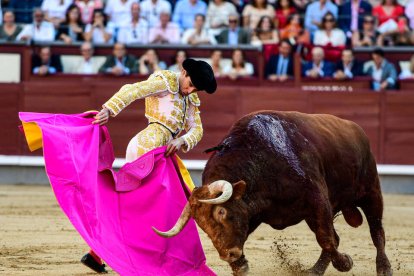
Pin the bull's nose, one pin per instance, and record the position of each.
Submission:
(232, 254)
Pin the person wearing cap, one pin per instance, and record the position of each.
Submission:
(171, 106)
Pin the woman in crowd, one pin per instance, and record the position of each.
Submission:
(238, 67)
(284, 8)
(218, 12)
(72, 29)
(294, 31)
(388, 10)
(55, 10)
(254, 11)
(329, 35)
(9, 30)
(265, 32)
(149, 63)
(368, 36)
(402, 36)
(215, 62)
(87, 7)
(180, 56)
(100, 30)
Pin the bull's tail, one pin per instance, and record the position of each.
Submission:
(352, 216)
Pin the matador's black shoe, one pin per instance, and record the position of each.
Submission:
(90, 262)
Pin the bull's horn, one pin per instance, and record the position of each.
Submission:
(179, 225)
(216, 187)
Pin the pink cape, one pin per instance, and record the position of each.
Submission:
(114, 211)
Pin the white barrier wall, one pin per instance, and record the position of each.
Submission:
(9, 67)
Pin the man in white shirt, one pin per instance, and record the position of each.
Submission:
(136, 30)
(87, 64)
(119, 11)
(39, 30)
(151, 10)
(199, 34)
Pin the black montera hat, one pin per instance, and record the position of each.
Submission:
(201, 75)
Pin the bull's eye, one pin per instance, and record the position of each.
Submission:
(220, 213)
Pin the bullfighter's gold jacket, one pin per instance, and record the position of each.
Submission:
(163, 104)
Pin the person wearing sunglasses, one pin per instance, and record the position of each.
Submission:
(329, 34)
(234, 34)
(368, 36)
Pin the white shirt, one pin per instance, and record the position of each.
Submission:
(45, 32)
(376, 73)
(248, 69)
(54, 9)
(119, 12)
(133, 34)
(97, 35)
(204, 35)
(151, 12)
(337, 38)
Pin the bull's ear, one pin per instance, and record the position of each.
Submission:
(238, 189)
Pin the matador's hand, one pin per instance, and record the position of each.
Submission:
(174, 146)
(102, 117)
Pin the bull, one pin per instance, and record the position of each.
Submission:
(281, 168)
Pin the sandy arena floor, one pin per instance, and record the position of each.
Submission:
(37, 239)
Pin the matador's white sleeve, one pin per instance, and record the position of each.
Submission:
(193, 125)
(131, 92)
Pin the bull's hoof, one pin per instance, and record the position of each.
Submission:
(313, 272)
(240, 267)
(343, 263)
(384, 267)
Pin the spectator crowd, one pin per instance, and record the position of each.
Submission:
(288, 25)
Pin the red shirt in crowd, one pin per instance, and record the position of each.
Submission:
(382, 16)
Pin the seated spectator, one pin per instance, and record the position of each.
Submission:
(185, 12)
(215, 63)
(55, 10)
(119, 63)
(87, 7)
(329, 35)
(198, 35)
(180, 56)
(348, 67)
(284, 9)
(402, 36)
(387, 13)
(119, 11)
(88, 64)
(39, 30)
(218, 12)
(234, 35)
(149, 63)
(265, 32)
(238, 67)
(280, 66)
(294, 31)
(383, 73)
(23, 10)
(151, 11)
(318, 67)
(166, 32)
(351, 15)
(368, 36)
(254, 11)
(9, 29)
(315, 12)
(408, 73)
(100, 30)
(45, 63)
(72, 29)
(136, 30)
